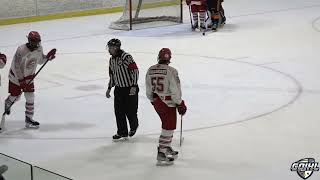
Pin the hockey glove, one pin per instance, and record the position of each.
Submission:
(188, 2)
(23, 84)
(182, 108)
(133, 91)
(51, 54)
(108, 93)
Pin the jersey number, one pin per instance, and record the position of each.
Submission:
(157, 84)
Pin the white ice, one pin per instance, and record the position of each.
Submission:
(252, 91)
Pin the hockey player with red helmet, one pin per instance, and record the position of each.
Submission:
(198, 11)
(22, 70)
(163, 89)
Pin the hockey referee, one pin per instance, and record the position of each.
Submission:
(124, 74)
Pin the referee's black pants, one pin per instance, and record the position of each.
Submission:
(126, 106)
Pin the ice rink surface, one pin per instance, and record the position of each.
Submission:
(252, 91)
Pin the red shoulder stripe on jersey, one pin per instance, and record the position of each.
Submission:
(132, 66)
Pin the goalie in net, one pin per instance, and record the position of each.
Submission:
(139, 14)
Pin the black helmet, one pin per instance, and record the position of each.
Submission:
(114, 42)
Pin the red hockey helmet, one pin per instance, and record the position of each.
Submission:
(34, 39)
(164, 55)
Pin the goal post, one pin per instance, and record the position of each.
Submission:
(139, 14)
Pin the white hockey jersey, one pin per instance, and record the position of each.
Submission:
(163, 80)
(2, 64)
(24, 63)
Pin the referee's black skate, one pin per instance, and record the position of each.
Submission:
(132, 132)
(118, 137)
(30, 123)
(164, 158)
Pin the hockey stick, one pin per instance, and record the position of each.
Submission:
(3, 119)
(181, 138)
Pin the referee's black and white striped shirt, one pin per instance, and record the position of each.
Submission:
(123, 71)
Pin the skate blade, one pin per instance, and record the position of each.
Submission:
(164, 163)
(174, 157)
(29, 126)
(196, 30)
(121, 139)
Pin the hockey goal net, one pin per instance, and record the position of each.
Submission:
(139, 14)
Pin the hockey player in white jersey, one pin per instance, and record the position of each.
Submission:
(23, 68)
(198, 11)
(163, 89)
(3, 61)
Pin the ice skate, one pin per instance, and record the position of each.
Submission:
(118, 137)
(195, 26)
(163, 158)
(203, 29)
(172, 153)
(214, 26)
(132, 132)
(32, 124)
